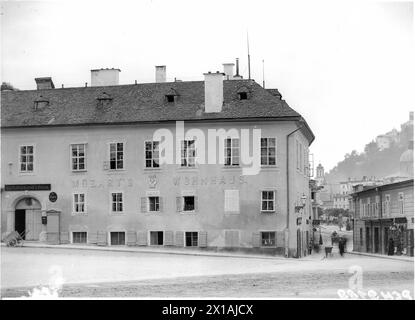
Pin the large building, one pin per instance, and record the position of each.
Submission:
(84, 165)
(384, 216)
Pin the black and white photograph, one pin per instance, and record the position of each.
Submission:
(207, 151)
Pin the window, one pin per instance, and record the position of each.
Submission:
(26, 158)
(297, 153)
(268, 239)
(170, 98)
(188, 203)
(78, 157)
(156, 238)
(188, 153)
(153, 204)
(116, 202)
(152, 154)
(361, 236)
(231, 152)
(117, 238)
(401, 200)
(268, 201)
(268, 151)
(386, 205)
(79, 203)
(116, 156)
(191, 239)
(232, 201)
(243, 95)
(78, 237)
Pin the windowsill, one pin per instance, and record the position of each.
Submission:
(152, 168)
(232, 167)
(149, 213)
(117, 213)
(79, 171)
(272, 247)
(115, 171)
(188, 212)
(187, 168)
(79, 213)
(32, 173)
(267, 211)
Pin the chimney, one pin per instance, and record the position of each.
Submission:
(213, 91)
(228, 70)
(160, 73)
(105, 77)
(44, 83)
(237, 76)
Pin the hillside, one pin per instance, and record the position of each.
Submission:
(373, 162)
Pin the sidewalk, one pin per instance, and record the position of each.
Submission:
(375, 255)
(163, 250)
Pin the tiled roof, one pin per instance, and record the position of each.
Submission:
(136, 103)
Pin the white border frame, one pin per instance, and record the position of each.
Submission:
(260, 238)
(27, 173)
(149, 238)
(116, 213)
(86, 157)
(74, 213)
(124, 157)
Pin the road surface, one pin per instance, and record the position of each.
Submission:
(89, 273)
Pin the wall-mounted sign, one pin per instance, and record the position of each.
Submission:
(44, 220)
(299, 221)
(53, 197)
(27, 187)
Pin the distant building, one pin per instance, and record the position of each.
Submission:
(381, 213)
(320, 175)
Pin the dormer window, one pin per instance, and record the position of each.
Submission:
(103, 99)
(169, 98)
(40, 103)
(171, 95)
(243, 95)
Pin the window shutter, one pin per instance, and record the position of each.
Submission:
(178, 204)
(256, 239)
(102, 238)
(196, 204)
(168, 238)
(131, 238)
(203, 239)
(179, 239)
(143, 204)
(92, 237)
(142, 238)
(160, 204)
(280, 239)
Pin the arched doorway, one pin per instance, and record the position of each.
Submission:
(28, 218)
(299, 247)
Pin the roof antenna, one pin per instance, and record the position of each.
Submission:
(249, 57)
(263, 74)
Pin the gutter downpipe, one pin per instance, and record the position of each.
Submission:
(287, 247)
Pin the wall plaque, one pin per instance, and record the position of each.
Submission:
(27, 187)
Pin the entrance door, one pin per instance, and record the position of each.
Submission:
(20, 221)
(298, 243)
(367, 239)
(376, 240)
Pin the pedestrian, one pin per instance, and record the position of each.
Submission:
(391, 247)
(341, 246)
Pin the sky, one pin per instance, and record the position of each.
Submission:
(347, 66)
